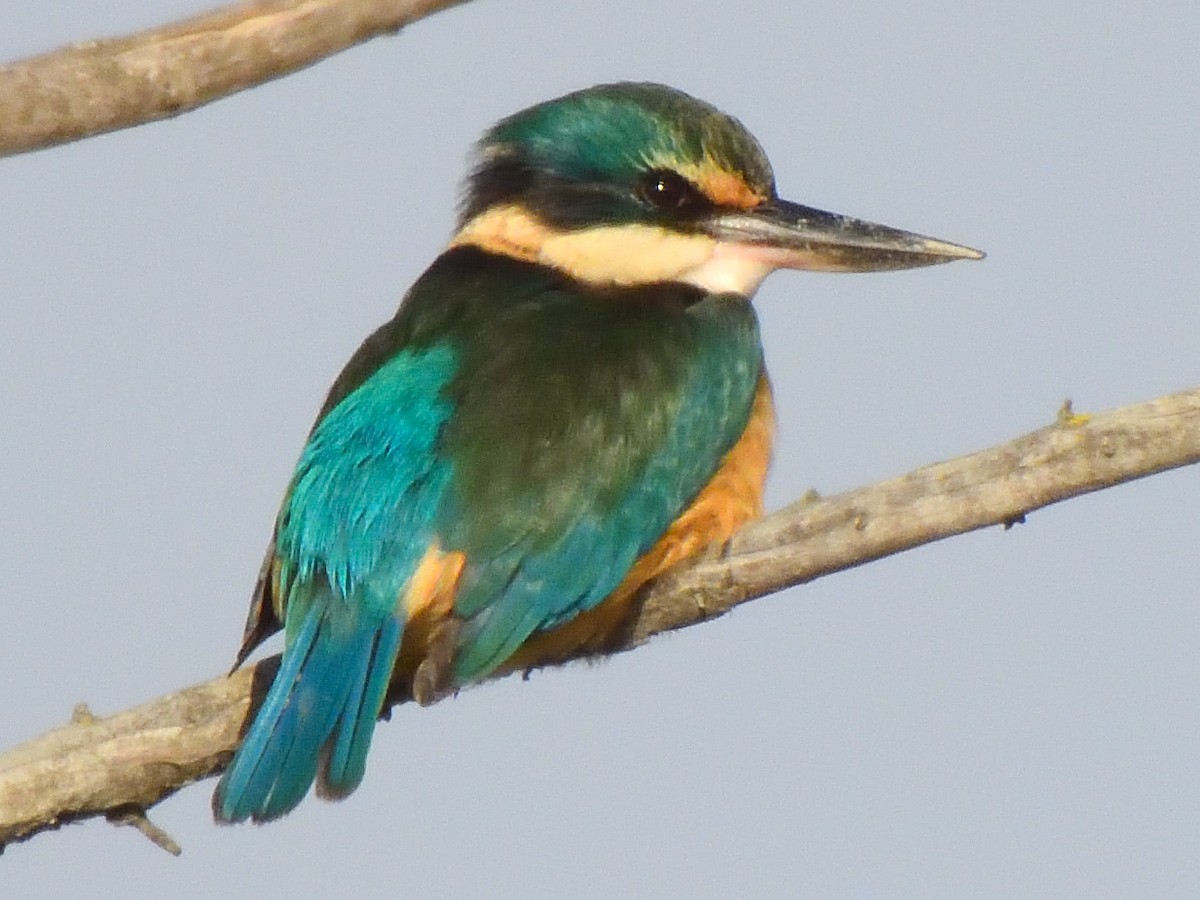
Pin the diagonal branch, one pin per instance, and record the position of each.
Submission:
(99, 86)
(120, 766)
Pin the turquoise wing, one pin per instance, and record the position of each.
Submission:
(356, 521)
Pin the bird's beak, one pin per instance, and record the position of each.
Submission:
(783, 235)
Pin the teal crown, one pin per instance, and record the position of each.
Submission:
(578, 160)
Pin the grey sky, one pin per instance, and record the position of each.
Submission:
(1009, 714)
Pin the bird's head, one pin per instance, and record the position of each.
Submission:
(626, 184)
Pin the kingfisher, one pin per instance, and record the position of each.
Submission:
(569, 401)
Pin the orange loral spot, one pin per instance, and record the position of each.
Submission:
(429, 600)
(722, 187)
(732, 498)
(727, 189)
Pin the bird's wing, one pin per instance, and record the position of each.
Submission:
(355, 527)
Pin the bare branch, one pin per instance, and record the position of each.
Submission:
(1000, 486)
(132, 760)
(100, 86)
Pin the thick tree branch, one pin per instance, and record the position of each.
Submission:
(100, 86)
(124, 764)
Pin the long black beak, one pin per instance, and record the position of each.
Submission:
(788, 235)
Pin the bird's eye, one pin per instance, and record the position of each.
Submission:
(670, 192)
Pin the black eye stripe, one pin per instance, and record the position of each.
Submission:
(670, 192)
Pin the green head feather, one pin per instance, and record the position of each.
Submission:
(578, 160)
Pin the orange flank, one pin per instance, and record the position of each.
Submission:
(732, 498)
(431, 589)
(428, 632)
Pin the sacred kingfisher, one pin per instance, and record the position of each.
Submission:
(570, 400)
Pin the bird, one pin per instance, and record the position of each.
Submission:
(569, 401)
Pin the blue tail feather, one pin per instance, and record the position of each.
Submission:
(327, 696)
(231, 802)
(347, 762)
(291, 758)
(335, 760)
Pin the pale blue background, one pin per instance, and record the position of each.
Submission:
(1002, 715)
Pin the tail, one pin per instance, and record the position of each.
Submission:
(320, 713)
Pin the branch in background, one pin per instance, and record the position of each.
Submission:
(120, 766)
(100, 86)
